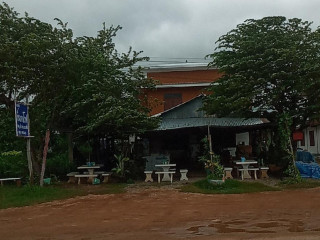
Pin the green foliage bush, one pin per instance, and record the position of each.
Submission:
(59, 166)
(230, 186)
(135, 169)
(13, 164)
(8, 139)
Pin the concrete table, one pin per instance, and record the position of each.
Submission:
(90, 170)
(165, 167)
(245, 166)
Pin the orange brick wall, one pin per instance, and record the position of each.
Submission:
(156, 96)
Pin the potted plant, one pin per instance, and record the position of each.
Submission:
(215, 171)
(212, 166)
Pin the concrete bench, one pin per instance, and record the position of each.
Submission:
(88, 176)
(183, 173)
(170, 173)
(148, 176)
(95, 172)
(249, 169)
(71, 176)
(227, 173)
(264, 172)
(17, 180)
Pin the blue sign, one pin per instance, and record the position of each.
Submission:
(22, 124)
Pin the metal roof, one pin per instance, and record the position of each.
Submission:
(188, 115)
(176, 123)
(178, 67)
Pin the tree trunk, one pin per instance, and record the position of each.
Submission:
(44, 159)
(30, 165)
(70, 147)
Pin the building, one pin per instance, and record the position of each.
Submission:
(178, 83)
(177, 99)
(184, 126)
(310, 139)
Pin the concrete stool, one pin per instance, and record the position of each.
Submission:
(227, 173)
(183, 173)
(264, 171)
(148, 176)
(105, 177)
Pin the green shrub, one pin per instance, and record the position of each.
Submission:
(230, 186)
(136, 169)
(59, 166)
(13, 164)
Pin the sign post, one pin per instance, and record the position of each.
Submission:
(22, 120)
(23, 130)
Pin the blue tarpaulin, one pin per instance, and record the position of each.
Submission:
(308, 170)
(304, 156)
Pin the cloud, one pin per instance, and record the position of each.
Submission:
(166, 28)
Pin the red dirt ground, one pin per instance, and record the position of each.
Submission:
(165, 213)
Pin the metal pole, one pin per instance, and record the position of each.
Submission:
(29, 147)
(44, 158)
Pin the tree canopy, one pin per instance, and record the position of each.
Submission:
(83, 82)
(270, 66)
(78, 84)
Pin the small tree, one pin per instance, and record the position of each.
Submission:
(211, 161)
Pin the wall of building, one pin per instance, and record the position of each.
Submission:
(242, 138)
(311, 141)
(156, 96)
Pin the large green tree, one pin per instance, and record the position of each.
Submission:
(270, 66)
(82, 85)
(106, 96)
(33, 62)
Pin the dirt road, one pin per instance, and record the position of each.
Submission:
(165, 213)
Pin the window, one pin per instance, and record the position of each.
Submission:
(311, 138)
(171, 100)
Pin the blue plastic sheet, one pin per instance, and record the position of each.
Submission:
(304, 156)
(308, 170)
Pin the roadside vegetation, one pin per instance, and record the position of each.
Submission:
(13, 196)
(232, 186)
(229, 187)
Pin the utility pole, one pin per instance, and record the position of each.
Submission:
(29, 147)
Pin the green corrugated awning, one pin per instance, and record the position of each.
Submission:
(176, 123)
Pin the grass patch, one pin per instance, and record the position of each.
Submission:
(13, 196)
(229, 187)
(306, 183)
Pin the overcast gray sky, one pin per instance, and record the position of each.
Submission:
(165, 29)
